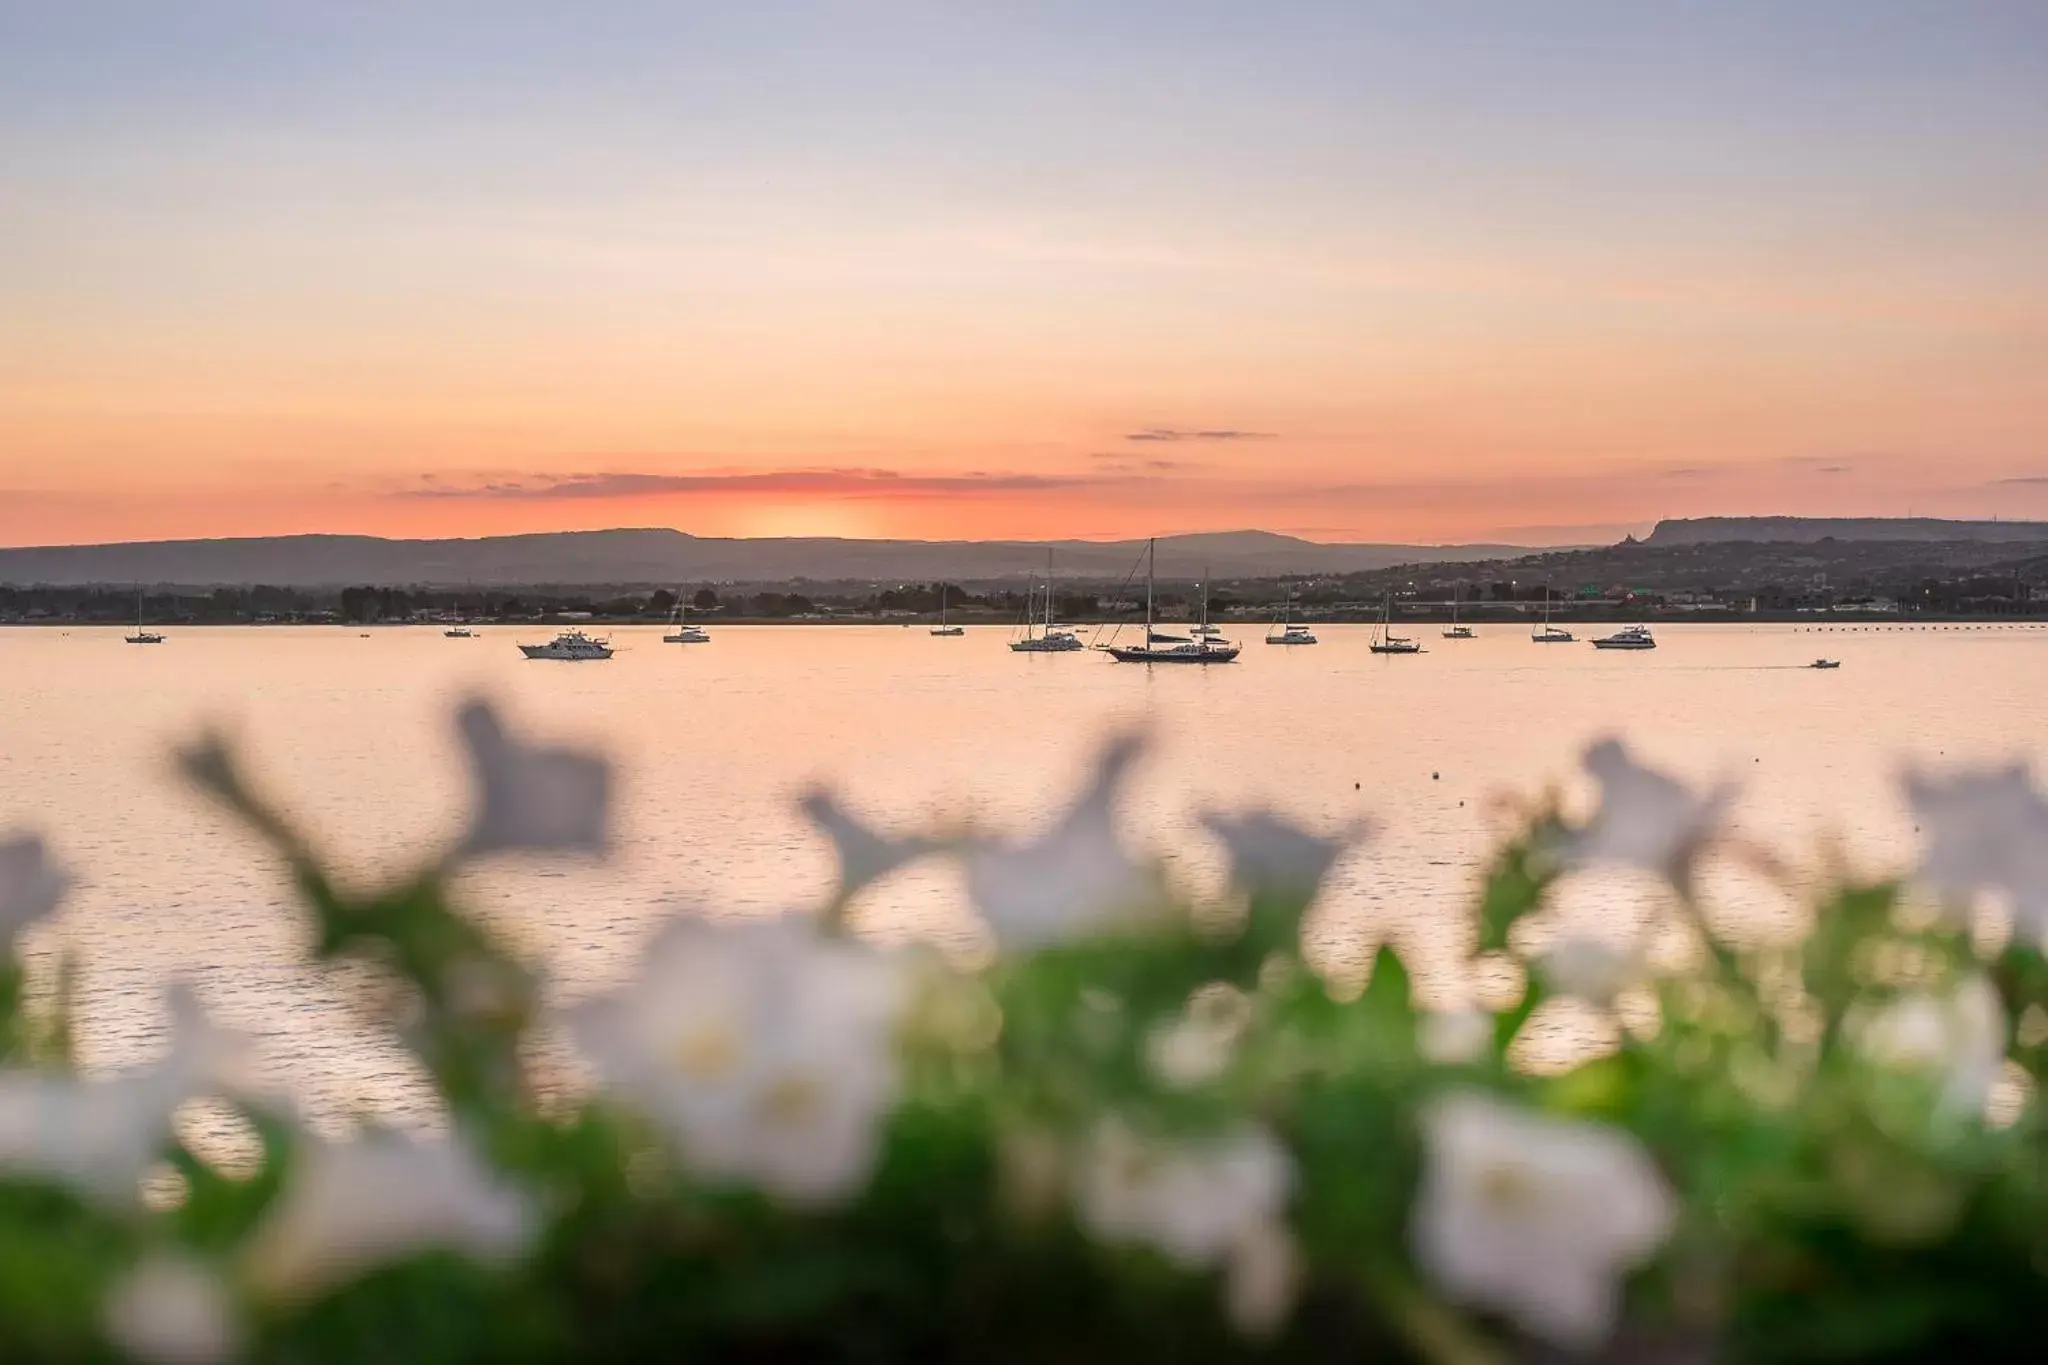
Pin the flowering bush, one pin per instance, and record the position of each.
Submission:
(1143, 1130)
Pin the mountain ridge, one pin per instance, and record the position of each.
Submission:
(1810, 530)
(656, 556)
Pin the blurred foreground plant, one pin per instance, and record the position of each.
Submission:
(1144, 1129)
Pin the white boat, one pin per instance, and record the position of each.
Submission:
(1825, 663)
(1629, 637)
(570, 645)
(682, 632)
(459, 633)
(1384, 641)
(1044, 637)
(1286, 631)
(942, 628)
(142, 636)
(1169, 649)
(1455, 631)
(1549, 634)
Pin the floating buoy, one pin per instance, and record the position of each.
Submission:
(1434, 777)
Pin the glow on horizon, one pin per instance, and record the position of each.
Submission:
(1350, 271)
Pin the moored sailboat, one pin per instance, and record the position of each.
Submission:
(681, 631)
(1286, 630)
(1455, 631)
(1044, 637)
(1384, 641)
(142, 636)
(1168, 649)
(1549, 634)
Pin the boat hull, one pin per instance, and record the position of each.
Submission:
(1137, 654)
(563, 655)
(1067, 646)
(1297, 640)
(1625, 644)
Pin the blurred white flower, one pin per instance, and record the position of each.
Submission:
(30, 886)
(101, 1137)
(1646, 819)
(1188, 1050)
(766, 1051)
(1592, 969)
(864, 856)
(1218, 1201)
(1262, 1278)
(1272, 856)
(544, 800)
(173, 1310)
(1073, 879)
(1453, 1037)
(1535, 1217)
(1959, 1036)
(1986, 831)
(348, 1207)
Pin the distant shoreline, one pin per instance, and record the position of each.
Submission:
(1839, 620)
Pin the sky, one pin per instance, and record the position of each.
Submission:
(1435, 271)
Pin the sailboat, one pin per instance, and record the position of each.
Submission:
(1549, 634)
(1285, 631)
(141, 636)
(1168, 649)
(1384, 641)
(1454, 631)
(945, 591)
(1045, 638)
(684, 633)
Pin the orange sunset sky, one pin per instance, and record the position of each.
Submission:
(1395, 271)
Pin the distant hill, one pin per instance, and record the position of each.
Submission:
(1810, 530)
(654, 557)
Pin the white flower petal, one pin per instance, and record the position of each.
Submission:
(348, 1207)
(766, 1052)
(1535, 1217)
(543, 800)
(100, 1136)
(864, 856)
(1074, 879)
(1986, 831)
(1269, 855)
(1192, 1200)
(1264, 1278)
(31, 886)
(1959, 1036)
(1591, 969)
(1646, 819)
(173, 1310)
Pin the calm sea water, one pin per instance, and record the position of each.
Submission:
(713, 741)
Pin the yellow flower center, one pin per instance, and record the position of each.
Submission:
(1507, 1187)
(792, 1101)
(707, 1053)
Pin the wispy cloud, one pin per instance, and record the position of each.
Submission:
(2027, 479)
(1112, 461)
(828, 483)
(1194, 434)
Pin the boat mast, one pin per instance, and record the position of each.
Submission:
(1048, 589)
(1151, 564)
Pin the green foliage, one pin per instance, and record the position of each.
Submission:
(1829, 1207)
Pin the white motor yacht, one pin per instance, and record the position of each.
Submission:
(1629, 637)
(571, 646)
